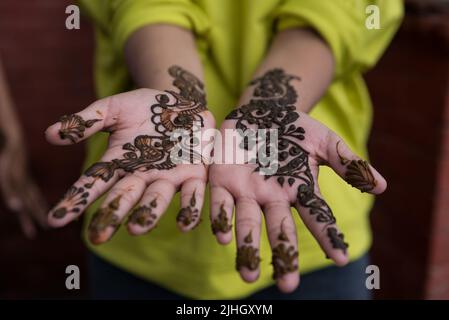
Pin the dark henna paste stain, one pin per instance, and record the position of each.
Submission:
(249, 237)
(337, 239)
(247, 255)
(103, 219)
(189, 214)
(73, 201)
(358, 173)
(73, 127)
(143, 215)
(273, 106)
(282, 235)
(221, 222)
(283, 262)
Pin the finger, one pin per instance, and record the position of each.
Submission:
(282, 236)
(119, 201)
(192, 198)
(222, 206)
(95, 181)
(355, 171)
(319, 219)
(79, 126)
(36, 205)
(247, 229)
(155, 201)
(26, 224)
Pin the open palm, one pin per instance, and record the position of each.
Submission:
(138, 166)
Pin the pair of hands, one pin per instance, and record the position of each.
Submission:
(142, 178)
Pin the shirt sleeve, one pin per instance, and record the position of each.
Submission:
(342, 24)
(123, 17)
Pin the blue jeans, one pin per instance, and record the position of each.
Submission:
(331, 283)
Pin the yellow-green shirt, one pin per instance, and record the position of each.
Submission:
(232, 39)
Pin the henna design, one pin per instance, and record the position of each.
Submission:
(104, 218)
(173, 110)
(337, 239)
(189, 214)
(273, 107)
(143, 215)
(284, 255)
(221, 222)
(73, 199)
(282, 235)
(358, 173)
(247, 255)
(249, 237)
(73, 127)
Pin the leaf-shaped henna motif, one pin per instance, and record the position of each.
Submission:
(221, 222)
(337, 239)
(143, 215)
(189, 214)
(73, 127)
(247, 255)
(358, 173)
(73, 199)
(103, 219)
(283, 262)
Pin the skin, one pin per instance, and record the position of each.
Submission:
(303, 54)
(128, 115)
(17, 187)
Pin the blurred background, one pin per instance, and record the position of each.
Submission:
(409, 144)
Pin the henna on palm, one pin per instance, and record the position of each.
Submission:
(273, 107)
(172, 110)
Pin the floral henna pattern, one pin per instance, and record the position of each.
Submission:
(189, 214)
(273, 107)
(284, 256)
(73, 127)
(173, 110)
(143, 215)
(337, 239)
(103, 219)
(73, 199)
(221, 223)
(358, 173)
(247, 255)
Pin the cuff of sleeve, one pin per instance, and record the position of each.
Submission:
(132, 15)
(334, 23)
